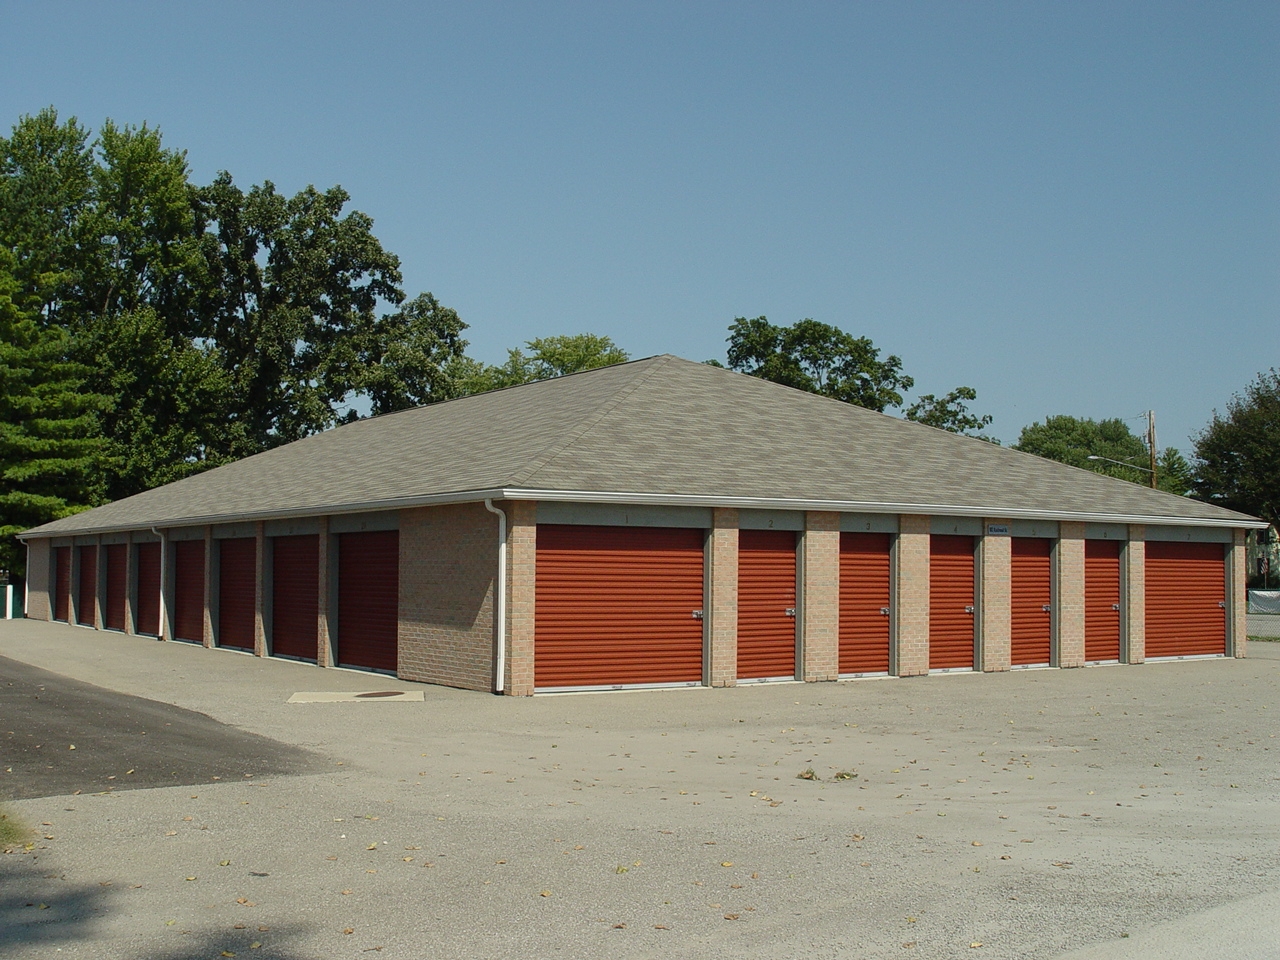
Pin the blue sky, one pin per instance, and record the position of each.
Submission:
(1072, 207)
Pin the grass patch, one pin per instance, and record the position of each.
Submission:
(1263, 639)
(11, 830)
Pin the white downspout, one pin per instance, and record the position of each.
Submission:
(164, 569)
(502, 594)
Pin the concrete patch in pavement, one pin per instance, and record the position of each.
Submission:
(377, 696)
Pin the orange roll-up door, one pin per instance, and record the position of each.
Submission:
(368, 599)
(1101, 600)
(1186, 599)
(149, 589)
(616, 606)
(766, 604)
(62, 583)
(87, 594)
(116, 557)
(188, 590)
(237, 585)
(295, 603)
(1030, 595)
(951, 602)
(864, 602)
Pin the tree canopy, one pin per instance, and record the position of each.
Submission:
(216, 321)
(1074, 440)
(547, 357)
(1238, 454)
(825, 360)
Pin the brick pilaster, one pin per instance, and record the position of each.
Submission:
(1135, 602)
(259, 589)
(1237, 594)
(522, 557)
(1070, 594)
(39, 577)
(820, 603)
(995, 558)
(324, 646)
(911, 593)
(168, 569)
(206, 629)
(722, 579)
(130, 583)
(100, 589)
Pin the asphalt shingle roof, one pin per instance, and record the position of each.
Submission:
(656, 430)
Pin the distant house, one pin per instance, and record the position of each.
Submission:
(660, 522)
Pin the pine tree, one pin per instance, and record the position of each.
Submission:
(50, 443)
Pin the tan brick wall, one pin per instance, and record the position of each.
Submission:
(259, 590)
(99, 573)
(448, 569)
(1135, 600)
(39, 562)
(722, 605)
(820, 603)
(911, 593)
(995, 559)
(1237, 597)
(1070, 594)
(206, 629)
(522, 563)
(324, 646)
(130, 583)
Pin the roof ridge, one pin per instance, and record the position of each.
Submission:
(605, 409)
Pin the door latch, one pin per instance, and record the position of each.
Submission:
(697, 614)
(1116, 607)
(884, 611)
(791, 611)
(1222, 604)
(968, 609)
(1046, 607)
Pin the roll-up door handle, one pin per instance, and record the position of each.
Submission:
(1115, 606)
(884, 611)
(968, 609)
(1222, 604)
(1046, 607)
(697, 614)
(791, 611)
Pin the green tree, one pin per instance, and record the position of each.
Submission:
(950, 412)
(413, 356)
(819, 358)
(1074, 440)
(291, 307)
(548, 357)
(50, 447)
(1238, 455)
(217, 322)
(46, 185)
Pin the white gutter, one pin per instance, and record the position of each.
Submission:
(674, 499)
(501, 591)
(164, 568)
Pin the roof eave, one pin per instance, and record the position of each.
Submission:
(660, 499)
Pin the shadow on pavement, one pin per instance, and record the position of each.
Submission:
(40, 914)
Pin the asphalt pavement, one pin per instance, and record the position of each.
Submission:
(63, 736)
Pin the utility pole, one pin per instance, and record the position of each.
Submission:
(1151, 444)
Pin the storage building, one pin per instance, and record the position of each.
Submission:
(660, 522)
